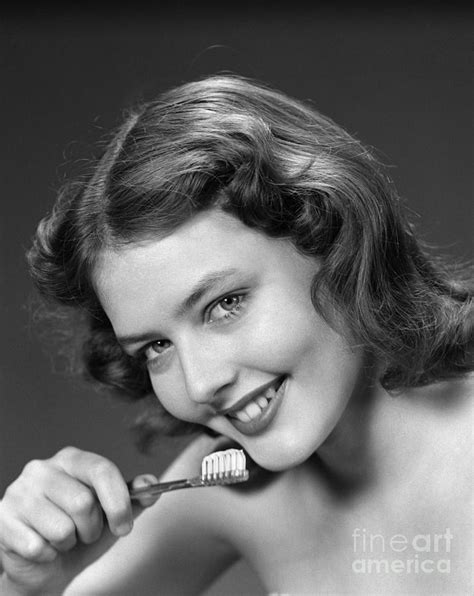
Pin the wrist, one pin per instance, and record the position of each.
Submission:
(11, 588)
(7, 588)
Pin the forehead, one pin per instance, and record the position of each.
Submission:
(206, 239)
(152, 276)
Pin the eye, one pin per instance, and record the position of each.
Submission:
(226, 308)
(155, 349)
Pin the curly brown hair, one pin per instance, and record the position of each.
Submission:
(230, 143)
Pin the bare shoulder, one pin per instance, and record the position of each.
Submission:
(209, 509)
(442, 419)
(450, 402)
(185, 512)
(457, 410)
(439, 431)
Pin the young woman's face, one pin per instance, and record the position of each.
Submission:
(223, 317)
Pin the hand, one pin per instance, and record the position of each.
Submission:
(59, 516)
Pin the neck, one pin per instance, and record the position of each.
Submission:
(382, 439)
(350, 453)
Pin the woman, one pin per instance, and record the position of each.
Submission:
(243, 259)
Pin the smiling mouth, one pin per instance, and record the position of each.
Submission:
(257, 404)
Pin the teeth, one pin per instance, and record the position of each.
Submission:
(252, 409)
(255, 407)
(242, 415)
(270, 393)
(249, 412)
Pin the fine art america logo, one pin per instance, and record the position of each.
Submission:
(416, 554)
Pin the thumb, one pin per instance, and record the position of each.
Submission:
(143, 501)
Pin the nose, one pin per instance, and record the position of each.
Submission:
(209, 372)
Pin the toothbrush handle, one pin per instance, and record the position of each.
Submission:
(163, 487)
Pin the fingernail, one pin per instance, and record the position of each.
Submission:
(124, 529)
(50, 555)
(145, 480)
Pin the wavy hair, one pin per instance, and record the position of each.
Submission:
(230, 143)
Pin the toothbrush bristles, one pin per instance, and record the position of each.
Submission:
(219, 468)
(226, 466)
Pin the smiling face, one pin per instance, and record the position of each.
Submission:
(223, 317)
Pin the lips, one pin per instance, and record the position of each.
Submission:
(254, 412)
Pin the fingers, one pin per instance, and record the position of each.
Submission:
(57, 503)
(17, 537)
(51, 523)
(106, 481)
(79, 503)
(33, 527)
(53, 512)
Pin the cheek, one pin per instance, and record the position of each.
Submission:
(171, 393)
(290, 334)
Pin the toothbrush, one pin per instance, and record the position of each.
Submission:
(217, 469)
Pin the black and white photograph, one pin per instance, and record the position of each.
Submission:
(237, 300)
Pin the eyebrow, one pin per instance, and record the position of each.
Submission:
(203, 286)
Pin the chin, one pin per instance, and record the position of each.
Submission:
(282, 457)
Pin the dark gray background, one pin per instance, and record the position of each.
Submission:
(398, 78)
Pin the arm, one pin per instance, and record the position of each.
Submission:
(64, 528)
(176, 547)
